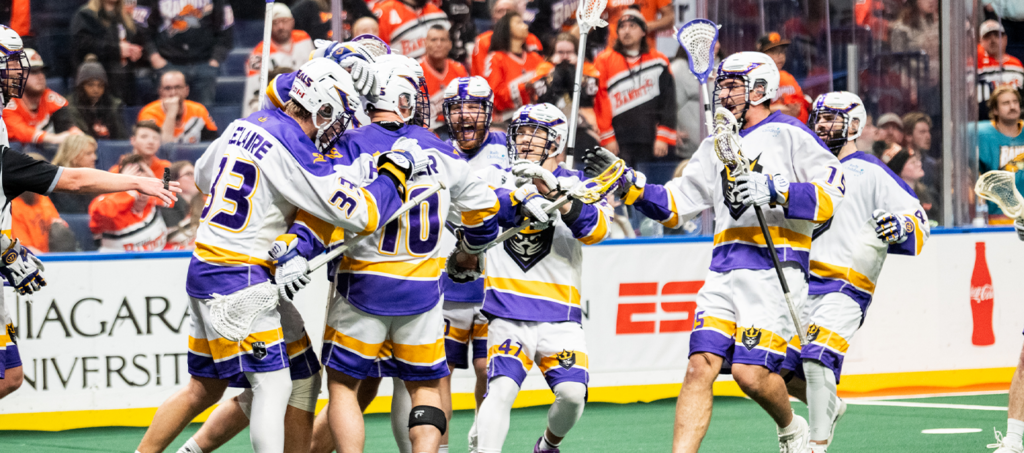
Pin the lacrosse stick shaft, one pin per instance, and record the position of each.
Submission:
(508, 234)
(577, 90)
(268, 23)
(709, 121)
(782, 277)
(318, 262)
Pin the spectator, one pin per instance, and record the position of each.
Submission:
(185, 173)
(907, 165)
(404, 24)
(995, 67)
(482, 46)
(790, 97)
(917, 29)
(366, 26)
(917, 132)
(128, 221)
(314, 17)
(637, 115)
(92, 108)
(890, 132)
(1001, 143)
(658, 14)
(462, 30)
(78, 151)
(39, 116)
(146, 143)
(868, 135)
(17, 14)
(104, 29)
(33, 217)
(288, 48)
(1011, 13)
(554, 83)
(690, 110)
(180, 120)
(554, 17)
(510, 65)
(192, 37)
(439, 69)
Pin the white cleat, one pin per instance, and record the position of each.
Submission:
(798, 441)
(1003, 445)
(835, 421)
(815, 448)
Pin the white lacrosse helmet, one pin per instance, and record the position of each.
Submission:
(12, 80)
(843, 105)
(756, 70)
(462, 91)
(372, 45)
(399, 85)
(339, 51)
(528, 122)
(325, 90)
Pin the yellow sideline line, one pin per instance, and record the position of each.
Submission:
(851, 386)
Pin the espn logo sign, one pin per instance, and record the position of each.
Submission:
(645, 309)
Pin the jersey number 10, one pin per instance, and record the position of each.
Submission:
(421, 230)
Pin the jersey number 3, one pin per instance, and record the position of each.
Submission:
(234, 205)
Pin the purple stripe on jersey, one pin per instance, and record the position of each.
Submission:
(508, 215)
(205, 279)
(793, 363)
(389, 296)
(757, 356)
(803, 201)
(383, 369)
(309, 244)
(506, 366)
(558, 375)
(831, 359)
(818, 286)
(907, 247)
(654, 203)
(202, 366)
(470, 293)
(729, 257)
(457, 354)
(9, 358)
(586, 221)
(483, 233)
(386, 196)
(342, 360)
(704, 340)
(514, 306)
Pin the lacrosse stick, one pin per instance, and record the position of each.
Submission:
(268, 23)
(727, 147)
(373, 45)
(998, 187)
(590, 191)
(588, 16)
(698, 38)
(318, 262)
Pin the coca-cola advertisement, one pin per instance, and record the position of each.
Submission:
(982, 299)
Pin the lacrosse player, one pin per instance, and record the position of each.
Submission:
(880, 215)
(258, 174)
(533, 285)
(388, 287)
(20, 173)
(741, 313)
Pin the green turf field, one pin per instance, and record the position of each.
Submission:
(737, 425)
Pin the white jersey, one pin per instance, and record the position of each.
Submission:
(847, 256)
(537, 275)
(779, 144)
(258, 173)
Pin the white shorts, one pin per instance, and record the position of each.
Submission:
(464, 323)
(742, 315)
(302, 360)
(211, 356)
(559, 348)
(353, 340)
(831, 319)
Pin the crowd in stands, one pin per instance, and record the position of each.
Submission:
(151, 84)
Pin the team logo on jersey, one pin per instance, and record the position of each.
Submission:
(259, 350)
(527, 248)
(732, 194)
(566, 359)
(812, 332)
(751, 338)
(13, 334)
(909, 226)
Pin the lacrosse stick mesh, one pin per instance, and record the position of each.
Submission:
(374, 45)
(588, 14)
(698, 38)
(232, 315)
(998, 186)
(727, 143)
(594, 189)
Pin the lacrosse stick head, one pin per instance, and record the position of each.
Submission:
(373, 45)
(698, 38)
(727, 139)
(998, 186)
(232, 315)
(588, 14)
(595, 189)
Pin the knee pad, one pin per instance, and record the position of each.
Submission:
(305, 393)
(428, 415)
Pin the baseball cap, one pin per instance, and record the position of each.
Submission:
(890, 118)
(771, 41)
(990, 26)
(281, 11)
(34, 59)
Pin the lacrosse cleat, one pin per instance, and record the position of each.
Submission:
(537, 449)
(1003, 444)
(796, 441)
(835, 421)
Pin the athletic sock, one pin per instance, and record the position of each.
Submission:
(1014, 431)
(442, 449)
(546, 444)
(190, 447)
(793, 428)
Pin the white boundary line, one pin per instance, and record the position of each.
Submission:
(925, 405)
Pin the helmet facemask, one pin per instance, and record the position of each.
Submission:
(831, 126)
(526, 140)
(467, 121)
(14, 71)
(332, 128)
(732, 92)
(422, 116)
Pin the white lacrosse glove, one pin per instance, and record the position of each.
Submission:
(1019, 226)
(761, 189)
(291, 274)
(890, 227)
(533, 205)
(526, 171)
(22, 269)
(364, 76)
(460, 274)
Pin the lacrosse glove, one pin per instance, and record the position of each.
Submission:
(760, 189)
(890, 228)
(292, 268)
(22, 269)
(460, 274)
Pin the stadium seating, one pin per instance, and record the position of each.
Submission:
(109, 151)
(190, 153)
(79, 224)
(230, 90)
(234, 64)
(58, 84)
(248, 33)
